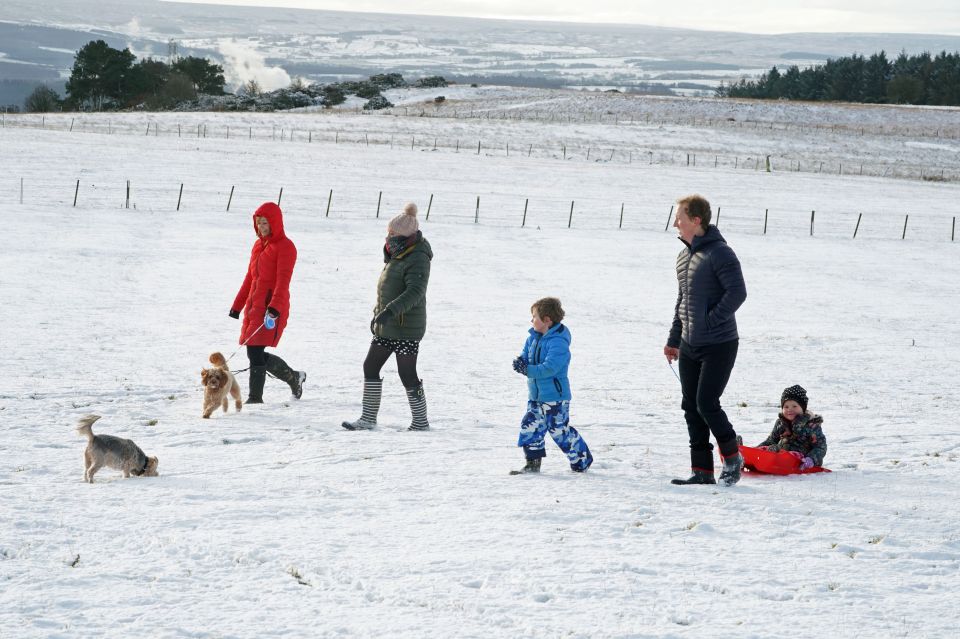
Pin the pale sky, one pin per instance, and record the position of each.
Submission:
(753, 16)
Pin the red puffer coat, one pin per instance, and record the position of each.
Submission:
(267, 283)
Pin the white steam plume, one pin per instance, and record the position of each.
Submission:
(242, 63)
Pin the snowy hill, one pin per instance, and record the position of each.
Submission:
(276, 521)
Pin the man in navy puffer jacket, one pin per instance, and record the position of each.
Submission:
(704, 338)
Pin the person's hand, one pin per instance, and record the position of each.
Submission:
(797, 456)
(234, 314)
(380, 318)
(806, 463)
(520, 365)
(270, 318)
(672, 354)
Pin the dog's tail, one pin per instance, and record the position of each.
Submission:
(218, 360)
(85, 424)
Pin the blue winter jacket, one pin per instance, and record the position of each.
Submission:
(548, 358)
(711, 289)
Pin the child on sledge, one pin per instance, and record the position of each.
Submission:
(544, 362)
(797, 439)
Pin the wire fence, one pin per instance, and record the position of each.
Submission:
(356, 201)
(556, 150)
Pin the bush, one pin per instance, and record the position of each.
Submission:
(376, 103)
(332, 96)
(431, 82)
(388, 80)
(439, 99)
(367, 90)
(43, 99)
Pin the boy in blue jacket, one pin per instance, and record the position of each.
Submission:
(544, 361)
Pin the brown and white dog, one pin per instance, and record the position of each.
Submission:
(218, 382)
(113, 452)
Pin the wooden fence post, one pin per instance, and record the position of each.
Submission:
(525, 205)
(476, 215)
(230, 199)
(765, 214)
(280, 197)
(429, 206)
(905, 219)
(570, 219)
(716, 222)
(379, 198)
(857, 227)
(953, 227)
(180, 197)
(76, 191)
(669, 217)
(812, 215)
(478, 147)
(329, 200)
(621, 215)
(127, 205)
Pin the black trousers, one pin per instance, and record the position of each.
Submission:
(378, 355)
(257, 355)
(704, 373)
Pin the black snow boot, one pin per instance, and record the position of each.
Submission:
(418, 408)
(279, 369)
(732, 466)
(698, 477)
(258, 375)
(532, 466)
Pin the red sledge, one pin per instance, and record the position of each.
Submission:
(781, 462)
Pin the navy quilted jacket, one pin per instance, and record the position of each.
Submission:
(711, 289)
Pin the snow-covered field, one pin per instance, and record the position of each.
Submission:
(277, 522)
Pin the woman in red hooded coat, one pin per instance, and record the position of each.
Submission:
(264, 298)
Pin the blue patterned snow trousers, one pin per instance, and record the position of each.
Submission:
(554, 418)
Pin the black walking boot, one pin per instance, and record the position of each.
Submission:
(279, 369)
(732, 466)
(532, 466)
(258, 375)
(698, 477)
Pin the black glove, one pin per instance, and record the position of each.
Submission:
(273, 312)
(520, 365)
(234, 314)
(380, 318)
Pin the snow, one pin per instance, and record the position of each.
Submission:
(277, 522)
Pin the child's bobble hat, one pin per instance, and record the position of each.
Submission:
(797, 393)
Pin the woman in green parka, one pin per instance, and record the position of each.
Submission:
(400, 319)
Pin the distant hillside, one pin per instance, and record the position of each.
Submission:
(37, 41)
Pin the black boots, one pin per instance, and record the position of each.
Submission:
(732, 466)
(279, 369)
(698, 477)
(418, 408)
(258, 375)
(532, 466)
(372, 391)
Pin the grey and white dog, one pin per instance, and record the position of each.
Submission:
(113, 452)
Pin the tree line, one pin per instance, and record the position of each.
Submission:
(104, 78)
(917, 79)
